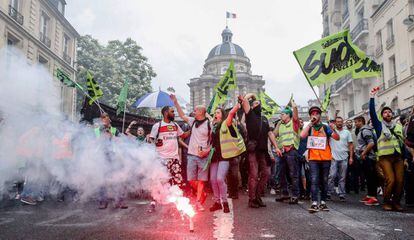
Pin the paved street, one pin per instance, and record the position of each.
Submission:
(349, 220)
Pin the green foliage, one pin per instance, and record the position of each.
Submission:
(110, 66)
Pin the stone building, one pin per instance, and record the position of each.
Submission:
(378, 28)
(202, 88)
(40, 30)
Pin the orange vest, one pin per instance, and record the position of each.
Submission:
(320, 155)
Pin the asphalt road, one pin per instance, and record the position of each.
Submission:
(346, 220)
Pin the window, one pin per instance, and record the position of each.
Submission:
(44, 24)
(61, 7)
(390, 29)
(15, 4)
(378, 38)
(393, 70)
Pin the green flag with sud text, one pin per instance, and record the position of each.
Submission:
(269, 106)
(329, 59)
(326, 100)
(94, 91)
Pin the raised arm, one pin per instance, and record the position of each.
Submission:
(179, 109)
(305, 131)
(373, 114)
(232, 112)
(245, 102)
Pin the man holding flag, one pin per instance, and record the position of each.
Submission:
(227, 83)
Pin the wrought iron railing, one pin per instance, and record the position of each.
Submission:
(13, 13)
(390, 41)
(67, 58)
(392, 81)
(360, 27)
(378, 51)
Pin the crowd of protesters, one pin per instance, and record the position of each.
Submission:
(238, 150)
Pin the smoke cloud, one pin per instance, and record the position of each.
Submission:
(39, 144)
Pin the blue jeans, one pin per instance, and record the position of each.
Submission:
(338, 169)
(218, 174)
(319, 177)
(289, 163)
(275, 172)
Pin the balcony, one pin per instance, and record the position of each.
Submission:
(390, 42)
(345, 15)
(44, 39)
(392, 81)
(378, 51)
(325, 6)
(13, 13)
(67, 58)
(361, 27)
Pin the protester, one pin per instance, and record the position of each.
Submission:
(341, 151)
(107, 133)
(320, 156)
(288, 138)
(390, 154)
(258, 132)
(227, 144)
(198, 150)
(274, 181)
(140, 137)
(304, 173)
(165, 135)
(365, 153)
(409, 158)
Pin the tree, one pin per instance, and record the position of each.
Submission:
(111, 65)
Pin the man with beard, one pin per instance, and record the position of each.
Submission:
(258, 132)
(165, 136)
(390, 154)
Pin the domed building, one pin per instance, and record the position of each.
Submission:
(216, 64)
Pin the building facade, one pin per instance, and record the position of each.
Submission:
(377, 27)
(216, 64)
(40, 30)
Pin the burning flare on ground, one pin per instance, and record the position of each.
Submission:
(182, 204)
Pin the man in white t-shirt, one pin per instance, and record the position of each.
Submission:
(198, 150)
(165, 135)
(341, 150)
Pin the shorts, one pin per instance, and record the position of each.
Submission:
(195, 166)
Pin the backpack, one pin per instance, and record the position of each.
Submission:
(409, 132)
(374, 137)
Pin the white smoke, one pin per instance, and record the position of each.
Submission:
(39, 144)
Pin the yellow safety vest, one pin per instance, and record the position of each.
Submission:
(98, 131)
(388, 147)
(287, 136)
(231, 146)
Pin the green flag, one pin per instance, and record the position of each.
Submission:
(214, 103)
(329, 59)
(367, 68)
(227, 82)
(290, 101)
(94, 91)
(269, 106)
(65, 79)
(326, 100)
(122, 98)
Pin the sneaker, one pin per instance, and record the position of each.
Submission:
(313, 208)
(17, 197)
(121, 205)
(272, 192)
(226, 208)
(293, 200)
(387, 207)
(200, 207)
(281, 198)
(323, 207)
(342, 199)
(397, 207)
(253, 204)
(365, 199)
(216, 206)
(372, 202)
(260, 202)
(103, 205)
(28, 200)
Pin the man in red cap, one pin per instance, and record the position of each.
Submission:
(320, 156)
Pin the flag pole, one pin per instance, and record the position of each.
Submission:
(317, 97)
(96, 102)
(123, 119)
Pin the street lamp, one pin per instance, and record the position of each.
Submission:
(409, 20)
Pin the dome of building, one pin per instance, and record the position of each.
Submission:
(226, 47)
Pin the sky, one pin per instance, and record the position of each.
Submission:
(177, 35)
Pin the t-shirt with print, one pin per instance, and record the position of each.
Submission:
(340, 148)
(168, 132)
(199, 136)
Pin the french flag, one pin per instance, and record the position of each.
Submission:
(230, 15)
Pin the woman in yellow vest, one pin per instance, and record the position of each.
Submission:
(227, 143)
